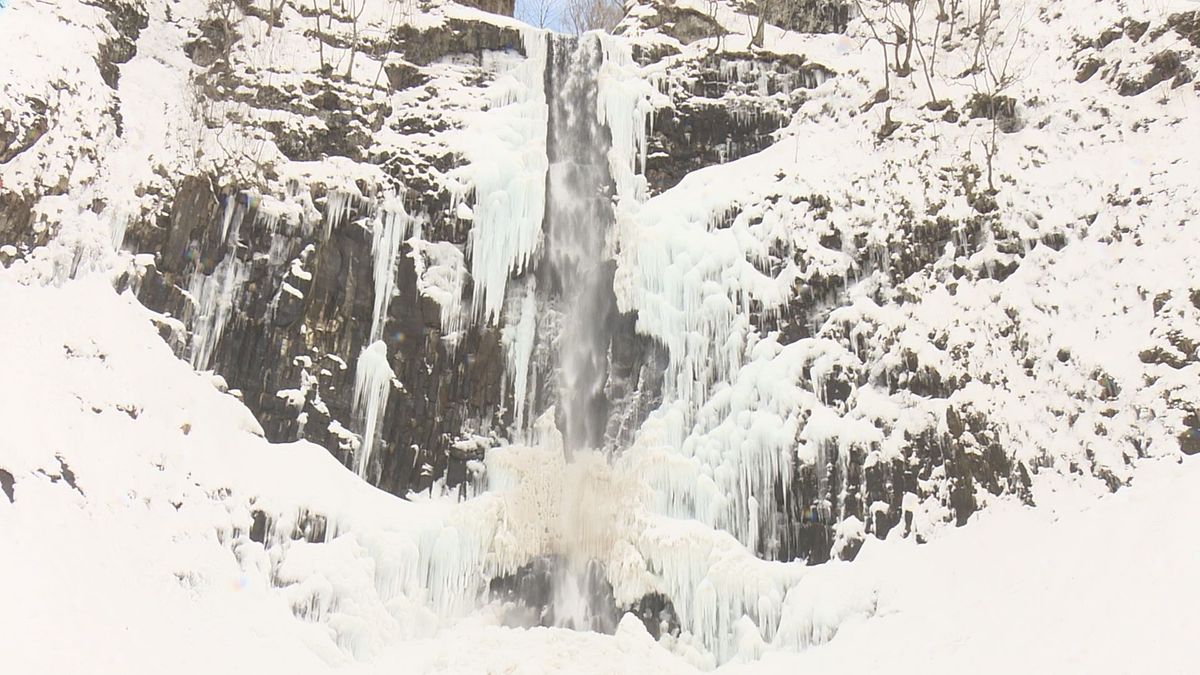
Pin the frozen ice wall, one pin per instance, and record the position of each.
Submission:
(214, 295)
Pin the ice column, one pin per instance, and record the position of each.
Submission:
(373, 379)
(214, 295)
(389, 229)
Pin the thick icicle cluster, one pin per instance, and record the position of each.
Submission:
(390, 226)
(505, 149)
(214, 295)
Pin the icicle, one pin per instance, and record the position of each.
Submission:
(338, 205)
(519, 340)
(505, 148)
(373, 379)
(214, 297)
(625, 103)
(119, 224)
(441, 274)
(389, 230)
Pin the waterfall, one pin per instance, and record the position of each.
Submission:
(575, 279)
(579, 214)
(551, 165)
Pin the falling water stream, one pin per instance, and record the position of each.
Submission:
(578, 217)
(568, 586)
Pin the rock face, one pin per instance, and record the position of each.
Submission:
(728, 107)
(299, 315)
(504, 7)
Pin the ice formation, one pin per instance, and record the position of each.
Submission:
(389, 228)
(683, 511)
(214, 295)
(373, 378)
(519, 335)
(505, 148)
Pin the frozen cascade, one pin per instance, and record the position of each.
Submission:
(519, 335)
(505, 149)
(373, 379)
(213, 295)
(390, 227)
(561, 237)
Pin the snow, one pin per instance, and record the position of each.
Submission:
(1062, 582)
(153, 542)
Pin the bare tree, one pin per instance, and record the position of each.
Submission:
(540, 13)
(581, 16)
(994, 73)
(356, 11)
(320, 37)
(894, 25)
(764, 9)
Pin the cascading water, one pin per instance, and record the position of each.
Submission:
(574, 284)
(578, 217)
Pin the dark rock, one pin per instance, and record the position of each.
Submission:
(211, 47)
(258, 528)
(1108, 37)
(1189, 440)
(16, 138)
(1134, 30)
(194, 212)
(67, 474)
(528, 599)
(813, 16)
(1088, 69)
(129, 19)
(502, 7)
(6, 485)
(999, 108)
(888, 127)
(1165, 65)
(402, 75)
(725, 114)
(16, 219)
(455, 36)
(683, 23)
(1187, 25)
